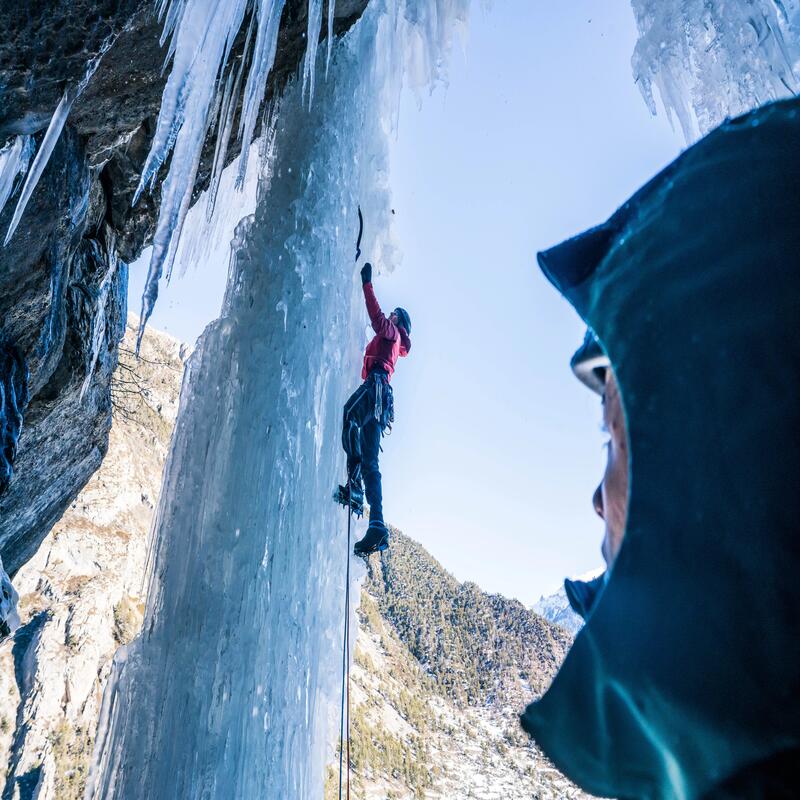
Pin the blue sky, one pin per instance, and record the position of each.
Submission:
(497, 448)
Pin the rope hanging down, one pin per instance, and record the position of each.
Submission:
(344, 723)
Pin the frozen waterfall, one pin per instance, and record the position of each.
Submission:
(231, 691)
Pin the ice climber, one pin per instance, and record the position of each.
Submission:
(369, 412)
(685, 680)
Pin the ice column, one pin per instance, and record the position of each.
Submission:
(232, 687)
(710, 59)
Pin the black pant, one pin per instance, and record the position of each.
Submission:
(366, 414)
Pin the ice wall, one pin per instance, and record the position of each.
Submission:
(232, 687)
(711, 59)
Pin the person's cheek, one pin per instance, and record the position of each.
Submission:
(615, 500)
(605, 548)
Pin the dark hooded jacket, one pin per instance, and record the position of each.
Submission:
(685, 680)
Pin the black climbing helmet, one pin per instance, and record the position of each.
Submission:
(590, 363)
(405, 320)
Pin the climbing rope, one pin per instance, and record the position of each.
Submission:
(344, 724)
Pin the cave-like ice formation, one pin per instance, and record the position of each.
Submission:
(231, 691)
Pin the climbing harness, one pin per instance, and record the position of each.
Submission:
(384, 401)
(374, 399)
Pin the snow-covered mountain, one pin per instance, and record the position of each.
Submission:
(556, 608)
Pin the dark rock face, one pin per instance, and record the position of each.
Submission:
(77, 234)
(13, 399)
(49, 284)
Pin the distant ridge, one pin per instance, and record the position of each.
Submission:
(556, 608)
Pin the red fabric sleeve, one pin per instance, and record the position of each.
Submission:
(380, 323)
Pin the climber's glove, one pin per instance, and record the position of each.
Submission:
(366, 273)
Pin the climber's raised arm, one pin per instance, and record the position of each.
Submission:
(381, 324)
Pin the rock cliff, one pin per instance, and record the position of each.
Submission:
(81, 594)
(79, 230)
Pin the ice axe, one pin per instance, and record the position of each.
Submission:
(360, 233)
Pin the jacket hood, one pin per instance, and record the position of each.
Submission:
(582, 595)
(687, 671)
(589, 363)
(404, 318)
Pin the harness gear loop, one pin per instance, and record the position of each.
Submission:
(378, 411)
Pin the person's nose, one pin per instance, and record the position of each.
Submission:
(597, 501)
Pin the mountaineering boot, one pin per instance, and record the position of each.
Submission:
(375, 540)
(352, 495)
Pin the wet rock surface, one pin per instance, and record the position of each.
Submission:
(78, 220)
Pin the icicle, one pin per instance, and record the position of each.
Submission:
(174, 11)
(42, 157)
(269, 20)
(266, 150)
(165, 246)
(710, 61)
(203, 236)
(229, 103)
(14, 160)
(331, 14)
(9, 616)
(99, 321)
(221, 146)
(203, 36)
(312, 42)
(54, 129)
(203, 32)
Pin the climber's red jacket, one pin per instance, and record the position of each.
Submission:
(390, 341)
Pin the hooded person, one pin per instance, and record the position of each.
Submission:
(685, 680)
